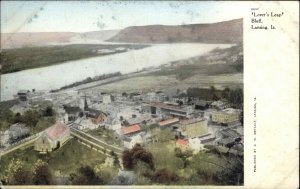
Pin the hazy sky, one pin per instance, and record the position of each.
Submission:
(82, 16)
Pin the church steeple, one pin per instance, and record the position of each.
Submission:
(85, 104)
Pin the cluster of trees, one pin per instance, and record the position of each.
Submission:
(214, 167)
(131, 157)
(89, 80)
(236, 97)
(184, 156)
(30, 117)
(142, 162)
(18, 173)
(115, 158)
(86, 176)
(207, 94)
(233, 96)
(163, 176)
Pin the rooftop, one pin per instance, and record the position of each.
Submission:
(57, 130)
(131, 129)
(168, 121)
(23, 91)
(182, 142)
(190, 121)
(167, 106)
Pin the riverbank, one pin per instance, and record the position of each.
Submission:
(14, 60)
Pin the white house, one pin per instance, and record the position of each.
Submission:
(195, 144)
(129, 142)
(114, 127)
(85, 123)
(106, 99)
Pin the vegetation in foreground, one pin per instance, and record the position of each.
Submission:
(160, 163)
(66, 165)
(14, 60)
(164, 164)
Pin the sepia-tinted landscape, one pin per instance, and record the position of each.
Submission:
(146, 104)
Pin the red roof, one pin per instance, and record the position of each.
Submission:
(131, 129)
(57, 130)
(168, 121)
(182, 142)
(99, 119)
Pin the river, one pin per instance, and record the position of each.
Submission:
(56, 76)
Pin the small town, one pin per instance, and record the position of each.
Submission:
(111, 124)
(97, 93)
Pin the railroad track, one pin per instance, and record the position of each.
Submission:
(19, 145)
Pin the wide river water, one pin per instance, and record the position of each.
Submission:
(56, 76)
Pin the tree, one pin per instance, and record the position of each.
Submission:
(7, 115)
(18, 118)
(16, 174)
(31, 118)
(127, 160)
(115, 158)
(140, 154)
(226, 93)
(48, 112)
(164, 176)
(21, 177)
(131, 157)
(42, 174)
(86, 176)
(180, 103)
(213, 92)
(183, 156)
(236, 97)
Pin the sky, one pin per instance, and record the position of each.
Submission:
(84, 16)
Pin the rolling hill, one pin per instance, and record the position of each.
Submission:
(220, 32)
(18, 40)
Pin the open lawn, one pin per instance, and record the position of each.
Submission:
(106, 135)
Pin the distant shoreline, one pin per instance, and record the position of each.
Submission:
(15, 60)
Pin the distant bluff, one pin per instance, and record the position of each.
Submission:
(220, 32)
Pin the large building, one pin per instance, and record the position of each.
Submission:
(52, 138)
(163, 109)
(194, 127)
(167, 123)
(226, 117)
(23, 95)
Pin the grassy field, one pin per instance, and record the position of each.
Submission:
(14, 60)
(64, 160)
(221, 68)
(106, 135)
(138, 83)
(148, 83)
